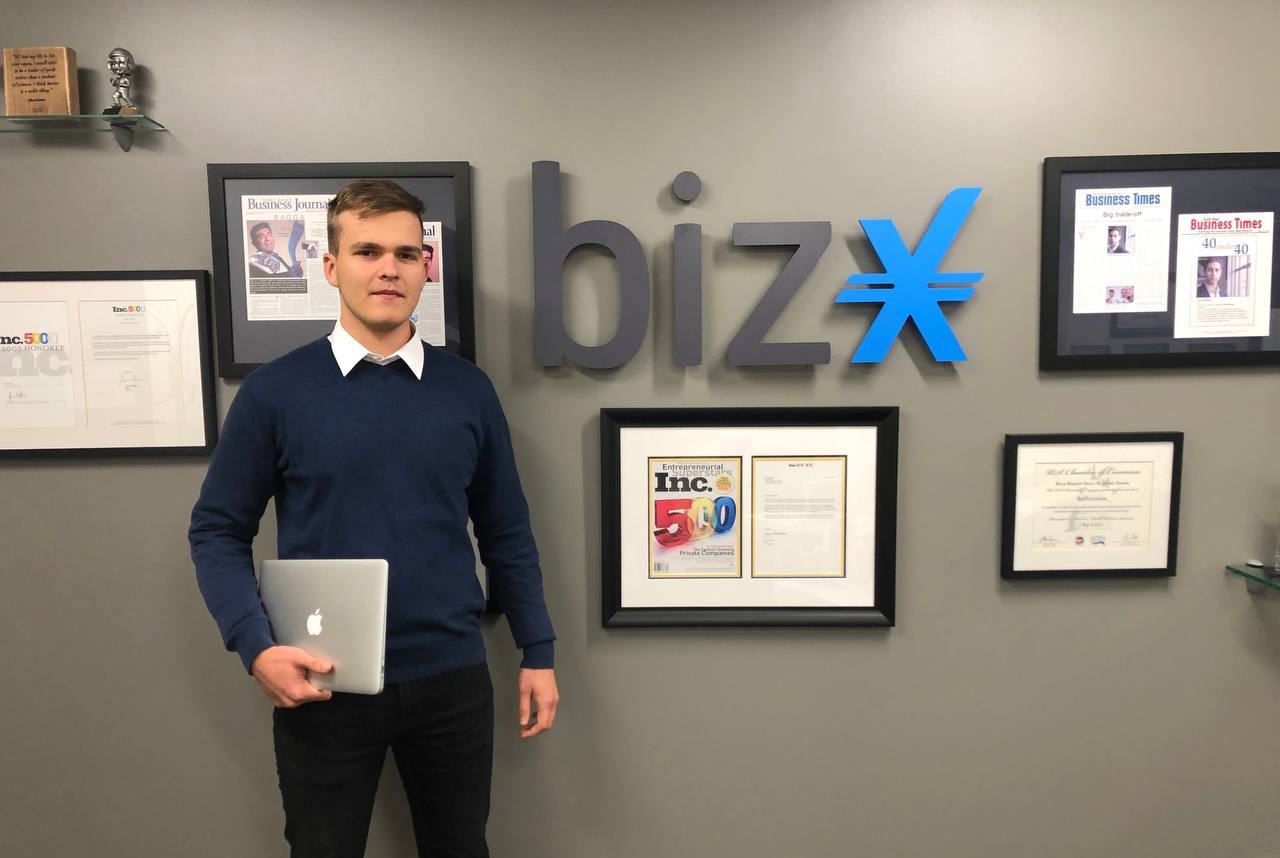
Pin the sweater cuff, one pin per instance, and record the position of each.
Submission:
(251, 644)
(540, 656)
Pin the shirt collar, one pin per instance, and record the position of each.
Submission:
(347, 352)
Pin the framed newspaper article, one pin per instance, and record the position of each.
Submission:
(1091, 506)
(105, 363)
(269, 240)
(749, 516)
(1160, 261)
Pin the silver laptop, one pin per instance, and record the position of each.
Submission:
(333, 609)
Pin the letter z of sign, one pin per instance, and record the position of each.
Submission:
(810, 239)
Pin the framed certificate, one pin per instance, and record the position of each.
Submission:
(98, 363)
(269, 226)
(1160, 261)
(1091, 506)
(749, 516)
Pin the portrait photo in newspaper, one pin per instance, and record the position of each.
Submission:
(1223, 283)
(1121, 250)
(281, 280)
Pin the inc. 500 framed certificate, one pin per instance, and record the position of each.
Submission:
(105, 362)
(749, 516)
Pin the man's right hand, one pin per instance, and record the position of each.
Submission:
(282, 673)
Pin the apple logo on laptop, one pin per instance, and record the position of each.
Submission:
(313, 623)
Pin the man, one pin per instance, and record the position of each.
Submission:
(1115, 240)
(428, 254)
(266, 262)
(375, 445)
(1211, 288)
(1111, 295)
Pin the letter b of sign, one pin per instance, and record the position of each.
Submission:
(551, 245)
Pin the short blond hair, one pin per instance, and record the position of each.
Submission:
(365, 197)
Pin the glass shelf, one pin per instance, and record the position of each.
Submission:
(1257, 579)
(85, 122)
(121, 125)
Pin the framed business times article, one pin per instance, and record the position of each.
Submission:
(1160, 261)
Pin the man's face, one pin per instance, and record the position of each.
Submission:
(117, 64)
(428, 254)
(377, 270)
(1212, 273)
(265, 240)
(1113, 239)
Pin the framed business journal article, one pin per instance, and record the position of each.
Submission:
(270, 237)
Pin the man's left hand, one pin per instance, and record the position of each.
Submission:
(538, 701)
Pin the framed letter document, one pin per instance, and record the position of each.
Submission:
(1091, 506)
(96, 363)
(749, 516)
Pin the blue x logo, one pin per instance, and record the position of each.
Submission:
(908, 276)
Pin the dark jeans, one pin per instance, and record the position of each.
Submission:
(329, 755)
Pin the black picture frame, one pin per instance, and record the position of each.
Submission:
(1081, 557)
(1201, 183)
(199, 415)
(878, 573)
(445, 187)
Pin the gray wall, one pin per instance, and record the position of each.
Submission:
(1112, 718)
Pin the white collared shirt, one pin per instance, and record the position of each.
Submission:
(347, 352)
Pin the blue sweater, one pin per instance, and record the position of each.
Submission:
(374, 464)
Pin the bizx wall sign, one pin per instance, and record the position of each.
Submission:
(907, 277)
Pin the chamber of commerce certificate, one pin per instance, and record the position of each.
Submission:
(1091, 505)
(1094, 506)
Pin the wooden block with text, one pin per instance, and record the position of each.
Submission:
(40, 82)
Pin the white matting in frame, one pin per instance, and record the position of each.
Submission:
(105, 363)
(1091, 505)
(856, 588)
